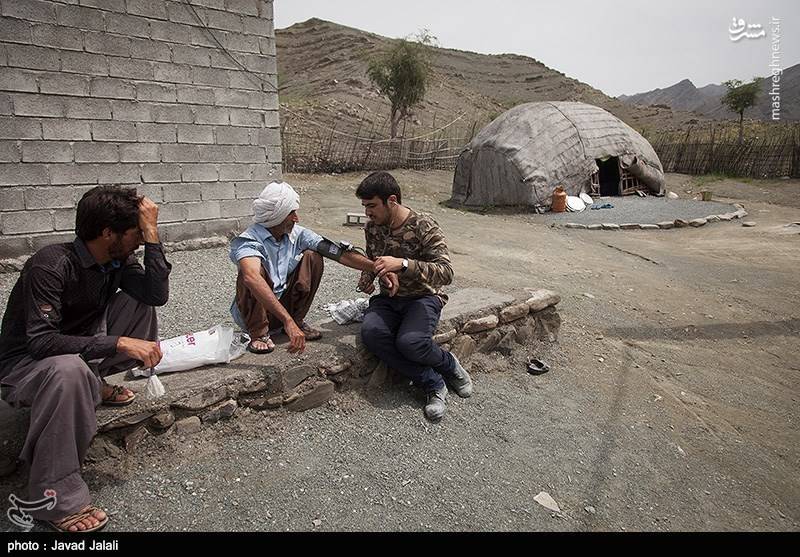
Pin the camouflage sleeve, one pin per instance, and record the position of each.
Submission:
(433, 266)
(366, 276)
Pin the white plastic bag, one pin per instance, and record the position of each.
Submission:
(155, 388)
(348, 311)
(212, 346)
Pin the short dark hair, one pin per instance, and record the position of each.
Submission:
(381, 184)
(104, 207)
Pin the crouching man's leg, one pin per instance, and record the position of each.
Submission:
(62, 392)
(415, 343)
(379, 331)
(301, 287)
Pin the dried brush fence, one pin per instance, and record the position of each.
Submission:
(771, 156)
(332, 151)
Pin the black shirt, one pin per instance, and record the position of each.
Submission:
(61, 295)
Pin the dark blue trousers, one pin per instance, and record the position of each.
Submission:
(399, 331)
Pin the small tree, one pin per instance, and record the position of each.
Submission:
(740, 97)
(401, 74)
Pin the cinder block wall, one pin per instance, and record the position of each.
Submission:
(135, 92)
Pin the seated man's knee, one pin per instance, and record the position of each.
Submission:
(69, 371)
(373, 334)
(413, 345)
(314, 258)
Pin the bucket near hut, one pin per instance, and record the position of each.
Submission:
(706, 195)
(559, 204)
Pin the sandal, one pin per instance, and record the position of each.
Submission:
(116, 391)
(537, 367)
(311, 333)
(64, 524)
(266, 340)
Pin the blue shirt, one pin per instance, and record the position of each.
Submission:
(279, 258)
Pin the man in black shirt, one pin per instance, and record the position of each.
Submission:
(78, 312)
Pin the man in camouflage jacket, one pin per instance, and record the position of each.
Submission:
(399, 329)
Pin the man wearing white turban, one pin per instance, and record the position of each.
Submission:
(280, 268)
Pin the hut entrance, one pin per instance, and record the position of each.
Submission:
(608, 171)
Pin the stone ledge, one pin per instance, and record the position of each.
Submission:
(279, 380)
(740, 213)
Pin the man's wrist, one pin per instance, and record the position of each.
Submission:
(150, 235)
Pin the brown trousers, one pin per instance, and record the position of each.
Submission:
(301, 287)
(62, 392)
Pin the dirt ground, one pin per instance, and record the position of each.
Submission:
(672, 403)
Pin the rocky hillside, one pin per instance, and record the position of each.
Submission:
(706, 100)
(323, 83)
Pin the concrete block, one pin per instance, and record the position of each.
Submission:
(216, 153)
(96, 152)
(229, 135)
(257, 26)
(225, 21)
(64, 84)
(180, 153)
(271, 119)
(106, 43)
(46, 151)
(90, 109)
(113, 131)
(237, 208)
(32, 57)
(82, 17)
(181, 192)
(172, 73)
(20, 128)
(10, 151)
(130, 68)
(210, 76)
(177, 114)
(156, 92)
(26, 222)
(57, 37)
(203, 210)
(68, 174)
(221, 59)
(117, 173)
(233, 97)
(29, 10)
(15, 31)
(239, 42)
(84, 63)
(64, 219)
(110, 5)
(170, 32)
(245, 117)
(243, 80)
(110, 87)
(148, 8)
(250, 153)
(75, 130)
(158, 173)
(191, 133)
(274, 154)
(150, 50)
(209, 115)
(245, 7)
(177, 12)
(234, 172)
(199, 173)
(14, 79)
(156, 133)
(153, 192)
(132, 111)
(129, 25)
(12, 199)
(191, 94)
(191, 55)
(217, 191)
(171, 212)
(140, 152)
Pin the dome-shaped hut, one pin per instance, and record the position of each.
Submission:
(526, 152)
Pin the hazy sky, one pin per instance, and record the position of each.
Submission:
(618, 46)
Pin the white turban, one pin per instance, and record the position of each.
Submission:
(274, 204)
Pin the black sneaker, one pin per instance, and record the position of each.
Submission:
(460, 380)
(435, 405)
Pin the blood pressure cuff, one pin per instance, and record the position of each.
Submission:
(331, 250)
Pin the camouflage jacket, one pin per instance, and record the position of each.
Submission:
(420, 240)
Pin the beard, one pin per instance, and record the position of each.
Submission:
(117, 250)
